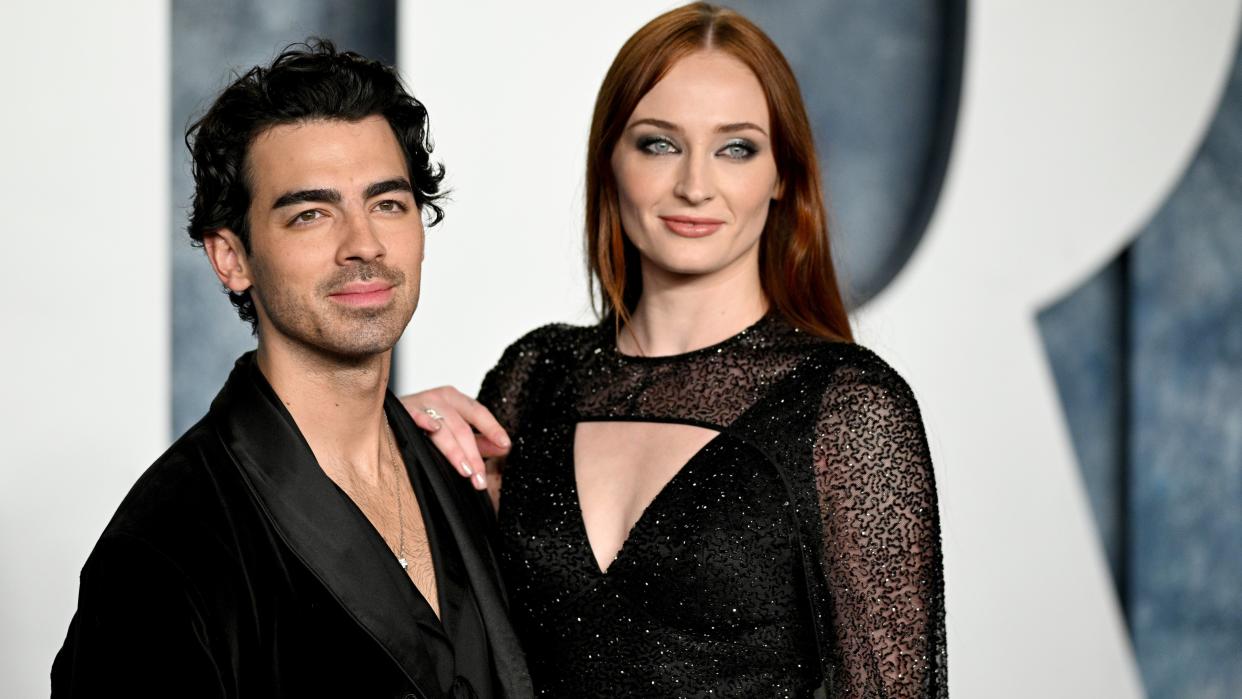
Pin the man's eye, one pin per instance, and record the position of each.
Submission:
(307, 216)
(656, 145)
(390, 206)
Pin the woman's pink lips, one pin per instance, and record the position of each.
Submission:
(692, 226)
(364, 294)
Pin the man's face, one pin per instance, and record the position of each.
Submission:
(336, 240)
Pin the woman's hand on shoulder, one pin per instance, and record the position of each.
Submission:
(462, 429)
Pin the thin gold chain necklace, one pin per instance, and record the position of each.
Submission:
(396, 491)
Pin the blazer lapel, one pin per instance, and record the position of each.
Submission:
(326, 532)
(467, 519)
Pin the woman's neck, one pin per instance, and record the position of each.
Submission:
(678, 314)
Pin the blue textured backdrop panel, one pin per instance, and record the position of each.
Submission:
(209, 41)
(1160, 331)
(1085, 336)
(880, 83)
(1186, 435)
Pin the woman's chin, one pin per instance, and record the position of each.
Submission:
(687, 269)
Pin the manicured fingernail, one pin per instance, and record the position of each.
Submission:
(504, 443)
(479, 481)
(466, 467)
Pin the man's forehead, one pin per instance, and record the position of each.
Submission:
(313, 151)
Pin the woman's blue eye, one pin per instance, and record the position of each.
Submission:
(657, 146)
(739, 150)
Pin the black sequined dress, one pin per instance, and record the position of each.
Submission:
(800, 547)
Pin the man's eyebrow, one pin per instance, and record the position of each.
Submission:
(396, 184)
(329, 196)
(332, 196)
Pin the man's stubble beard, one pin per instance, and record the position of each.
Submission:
(325, 327)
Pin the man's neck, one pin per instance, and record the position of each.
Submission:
(336, 402)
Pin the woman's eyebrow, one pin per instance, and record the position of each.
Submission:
(740, 126)
(723, 128)
(658, 123)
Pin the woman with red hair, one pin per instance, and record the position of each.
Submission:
(714, 491)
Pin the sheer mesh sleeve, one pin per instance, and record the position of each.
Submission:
(881, 538)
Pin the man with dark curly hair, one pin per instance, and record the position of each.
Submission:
(304, 538)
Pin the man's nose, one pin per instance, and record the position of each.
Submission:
(359, 242)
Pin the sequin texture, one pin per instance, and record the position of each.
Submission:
(820, 457)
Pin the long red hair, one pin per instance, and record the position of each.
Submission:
(795, 264)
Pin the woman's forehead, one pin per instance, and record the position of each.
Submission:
(706, 89)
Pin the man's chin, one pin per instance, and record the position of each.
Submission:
(358, 346)
(354, 336)
(362, 333)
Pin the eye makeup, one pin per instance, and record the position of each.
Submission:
(734, 149)
(739, 149)
(656, 145)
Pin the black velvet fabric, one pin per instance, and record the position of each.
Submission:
(236, 568)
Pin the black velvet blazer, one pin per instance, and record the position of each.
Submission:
(236, 568)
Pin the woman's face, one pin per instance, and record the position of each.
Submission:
(695, 171)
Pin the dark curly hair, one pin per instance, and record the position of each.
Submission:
(307, 81)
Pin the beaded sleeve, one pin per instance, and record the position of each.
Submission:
(881, 550)
(505, 388)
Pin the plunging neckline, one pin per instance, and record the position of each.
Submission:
(584, 538)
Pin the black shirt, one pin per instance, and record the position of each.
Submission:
(457, 640)
(235, 567)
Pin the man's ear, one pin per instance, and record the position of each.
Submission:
(228, 259)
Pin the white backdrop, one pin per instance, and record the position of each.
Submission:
(85, 215)
(1076, 120)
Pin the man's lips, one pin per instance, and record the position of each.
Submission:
(373, 293)
(692, 226)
